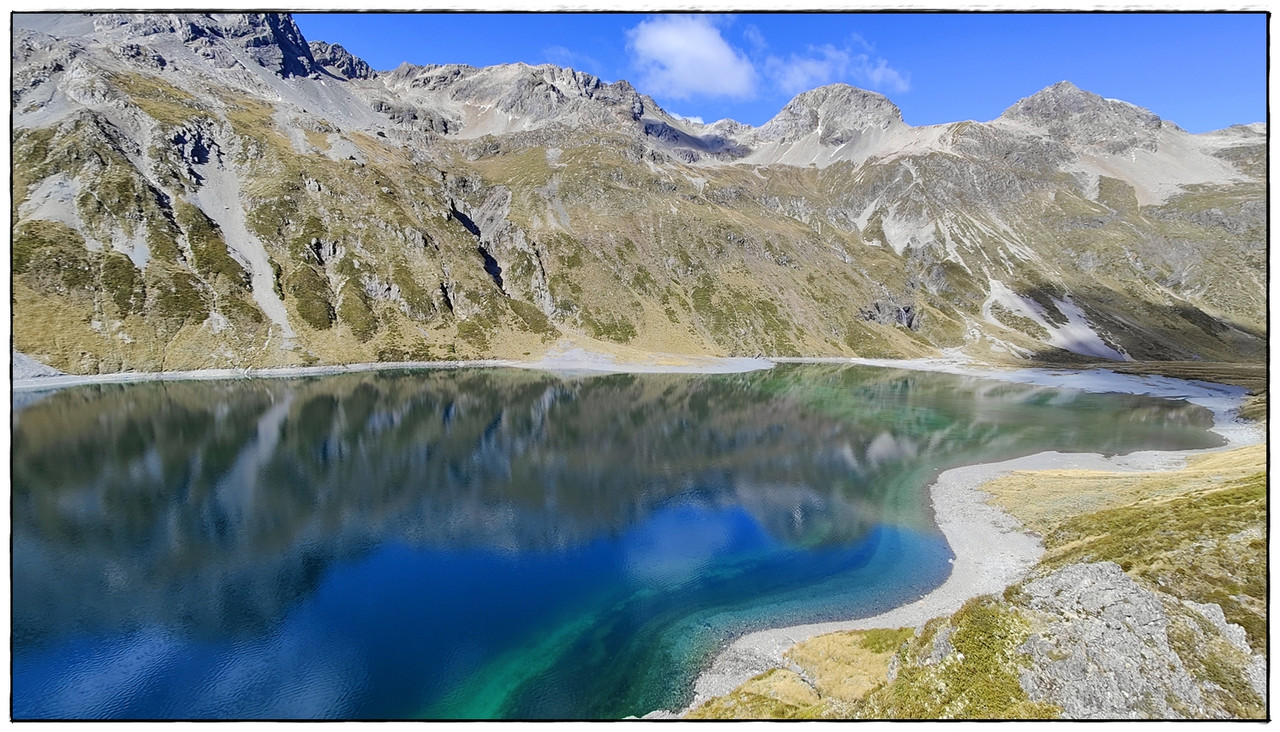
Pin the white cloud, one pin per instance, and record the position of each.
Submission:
(690, 118)
(826, 64)
(755, 38)
(684, 56)
(823, 65)
(861, 42)
(879, 75)
(561, 56)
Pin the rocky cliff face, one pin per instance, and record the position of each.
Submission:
(1083, 642)
(839, 113)
(1103, 647)
(339, 61)
(273, 41)
(1065, 112)
(213, 190)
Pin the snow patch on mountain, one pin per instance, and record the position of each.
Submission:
(1077, 335)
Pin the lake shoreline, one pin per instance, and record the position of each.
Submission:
(992, 549)
(575, 362)
(1222, 400)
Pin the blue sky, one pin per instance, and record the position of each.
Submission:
(1202, 71)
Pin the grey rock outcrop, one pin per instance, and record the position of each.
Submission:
(891, 311)
(1232, 646)
(504, 247)
(1102, 648)
(534, 94)
(272, 40)
(839, 112)
(1256, 673)
(340, 62)
(119, 118)
(941, 647)
(1213, 613)
(1069, 113)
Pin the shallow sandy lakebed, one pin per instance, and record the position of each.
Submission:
(992, 550)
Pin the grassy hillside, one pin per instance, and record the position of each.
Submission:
(184, 218)
(1196, 534)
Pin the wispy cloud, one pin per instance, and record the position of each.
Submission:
(561, 56)
(754, 38)
(683, 56)
(879, 75)
(687, 56)
(823, 65)
(826, 64)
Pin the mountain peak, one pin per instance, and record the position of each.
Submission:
(499, 207)
(340, 61)
(273, 40)
(1068, 112)
(1066, 100)
(839, 112)
(846, 93)
(509, 97)
(1064, 88)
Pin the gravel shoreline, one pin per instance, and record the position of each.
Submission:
(62, 381)
(992, 551)
(31, 375)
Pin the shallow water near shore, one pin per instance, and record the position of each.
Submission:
(487, 543)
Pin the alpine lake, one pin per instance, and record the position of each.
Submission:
(486, 543)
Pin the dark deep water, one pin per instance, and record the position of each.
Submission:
(485, 543)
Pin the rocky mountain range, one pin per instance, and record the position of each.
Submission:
(213, 190)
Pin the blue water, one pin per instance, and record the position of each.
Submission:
(483, 545)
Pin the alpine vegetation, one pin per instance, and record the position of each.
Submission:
(214, 191)
(707, 529)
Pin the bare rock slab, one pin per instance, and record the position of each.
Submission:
(1102, 651)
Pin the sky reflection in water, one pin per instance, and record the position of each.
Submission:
(485, 544)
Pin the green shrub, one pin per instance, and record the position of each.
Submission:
(617, 328)
(881, 640)
(53, 256)
(415, 296)
(977, 680)
(532, 318)
(240, 311)
(208, 247)
(1151, 542)
(178, 297)
(355, 312)
(123, 283)
(31, 238)
(310, 292)
(473, 333)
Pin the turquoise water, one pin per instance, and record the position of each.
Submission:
(482, 544)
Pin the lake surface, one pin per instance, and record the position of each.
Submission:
(485, 543)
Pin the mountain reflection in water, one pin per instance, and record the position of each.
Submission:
(214, 514)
